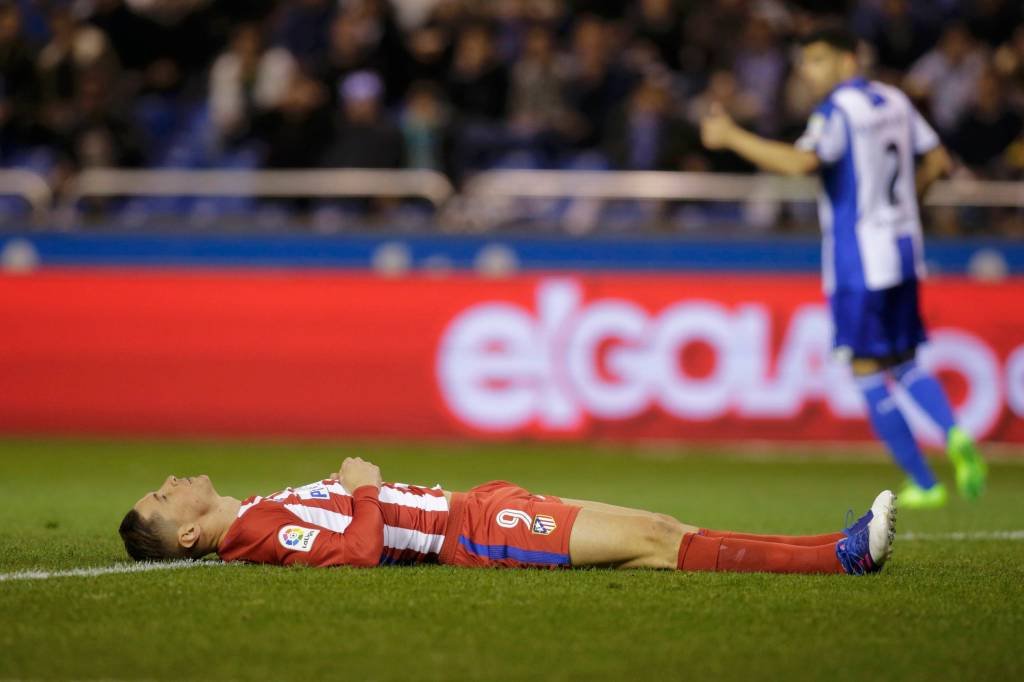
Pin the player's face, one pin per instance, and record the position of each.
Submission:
(822, 68)
(179, 500)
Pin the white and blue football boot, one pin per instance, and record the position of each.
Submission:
(868, 542)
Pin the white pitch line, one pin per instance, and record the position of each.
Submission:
(140, 567)
(1015, 535)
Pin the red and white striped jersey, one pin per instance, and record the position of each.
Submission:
(323, 524)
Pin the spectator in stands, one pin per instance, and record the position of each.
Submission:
(659, 23)
(1009, 63)
(537, 103)
(75, 49)
(597, 84)
(413, 14)
(300, 29)
(429, 50)
(162, 43)
(364, 138)
(946, 76)
(102, 138)
(247, 80)
(899, 35)
(760, 68)
(136, 40)
(426, 129)
(389, 56)
(167, 12)
(477, 81)
(296, 131)
(349, 49)
(988, 129)
(18, 87)
(605, 9)
(993, 21)
(646, 135)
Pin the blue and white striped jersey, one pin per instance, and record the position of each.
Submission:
(866, 135)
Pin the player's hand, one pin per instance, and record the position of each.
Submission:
(716, 128)
(357, 472)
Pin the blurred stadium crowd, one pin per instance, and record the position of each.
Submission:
(462, 85)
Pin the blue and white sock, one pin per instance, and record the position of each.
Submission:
(927, 392)
(892, 428)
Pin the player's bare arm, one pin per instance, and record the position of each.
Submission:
(719, 132)
(933, 166)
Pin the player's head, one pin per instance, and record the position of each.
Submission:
(167, 523)
(828, 57)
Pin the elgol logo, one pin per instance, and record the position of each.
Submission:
(505, 368)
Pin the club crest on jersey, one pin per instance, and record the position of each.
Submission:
(297, 538)
(542, 524)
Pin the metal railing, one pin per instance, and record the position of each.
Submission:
(28, 186)
(312, 183)
(717, 187)
(436, 189)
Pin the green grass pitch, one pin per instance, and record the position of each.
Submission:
(943, 609)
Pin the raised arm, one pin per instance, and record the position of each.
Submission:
(719, 131)
(934, 165)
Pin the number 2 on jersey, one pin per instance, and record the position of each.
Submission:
(892, 152)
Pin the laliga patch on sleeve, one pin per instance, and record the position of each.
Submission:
(297, 538)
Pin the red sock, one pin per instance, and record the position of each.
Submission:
(799, 540)
(703, 553)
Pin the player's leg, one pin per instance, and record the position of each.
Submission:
(889, 423)
(605, 537)
(923, 490)
(929, 395)
(927, 392)
(804, 540)
(870, 328)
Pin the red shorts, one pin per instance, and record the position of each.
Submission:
(499, 524)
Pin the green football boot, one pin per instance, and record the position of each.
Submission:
(971, 470)
(913, 496)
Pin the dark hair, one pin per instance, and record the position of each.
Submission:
(142, 539)
(835, 36)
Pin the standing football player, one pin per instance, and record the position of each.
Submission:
(863, 140)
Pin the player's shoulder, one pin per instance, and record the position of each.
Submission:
(842, 100)
(891, 92)
(257, 514)
(860, 95)
(257, 518)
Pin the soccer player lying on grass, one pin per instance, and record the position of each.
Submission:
(353, 519)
